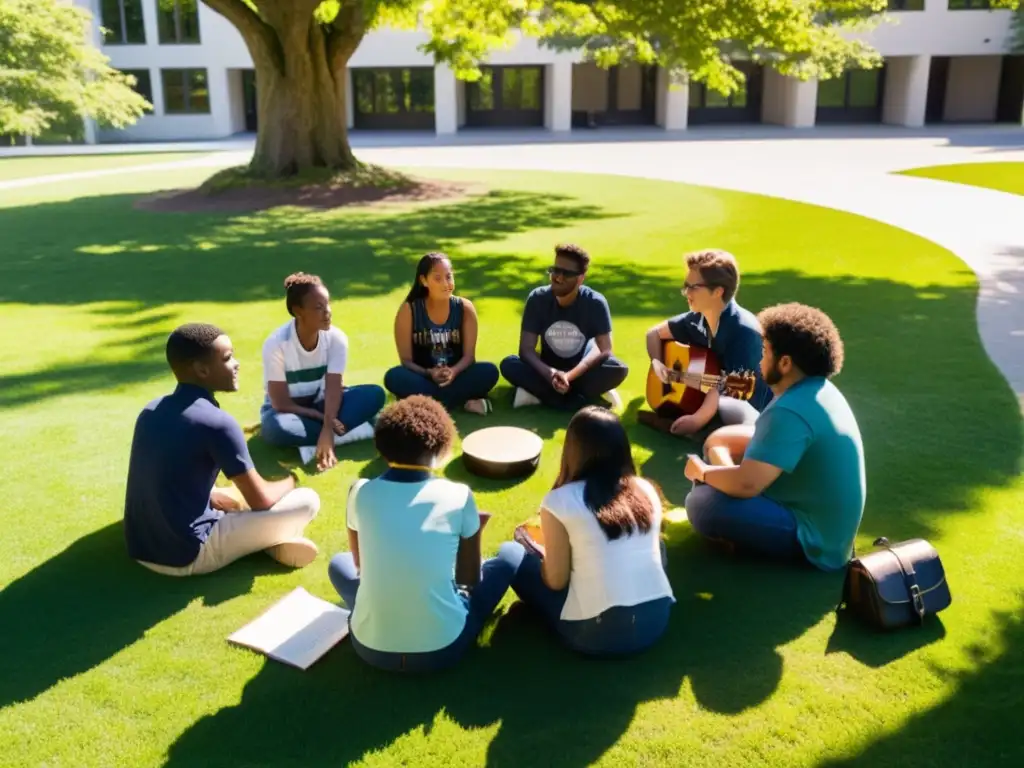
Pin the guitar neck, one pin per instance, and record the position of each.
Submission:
(695, 379)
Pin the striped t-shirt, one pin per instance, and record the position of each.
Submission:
(285, 359)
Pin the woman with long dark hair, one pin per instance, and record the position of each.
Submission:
(601, 582)
(436, 333)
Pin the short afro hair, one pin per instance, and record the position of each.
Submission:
(718, 269)
(414, 429)
(296, 286)
(807, 335)
(189, 343)
(574, 252)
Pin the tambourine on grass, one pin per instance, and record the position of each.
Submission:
(501, 452)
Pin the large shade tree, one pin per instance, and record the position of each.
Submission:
(51, 74)
(301, 49)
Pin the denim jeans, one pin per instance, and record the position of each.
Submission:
(586, 389)
(495, 577)
(757, 525)
(617, 631)
(473, 383)
(358, 405)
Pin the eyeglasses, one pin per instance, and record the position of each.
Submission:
(687, 287)
(562, 272)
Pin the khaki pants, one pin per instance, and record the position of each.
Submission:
(238, 534)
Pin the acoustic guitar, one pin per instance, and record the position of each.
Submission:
(693, 372)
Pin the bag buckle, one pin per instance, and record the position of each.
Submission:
(918, 600)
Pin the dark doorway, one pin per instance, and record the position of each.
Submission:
(938, 80)
(710, 107)
(506, 97)
(626, 95)
(249, 99)
(856, 97)
(393, 98)
(1011, 91)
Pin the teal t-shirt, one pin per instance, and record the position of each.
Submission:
(408, 539)
(810, 433)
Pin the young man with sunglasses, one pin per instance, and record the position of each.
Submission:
(716, 322)
(574, 325)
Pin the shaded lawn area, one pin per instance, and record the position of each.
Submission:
(28, 167)
(1002, 177)
(103, 663)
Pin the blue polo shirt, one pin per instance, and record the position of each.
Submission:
(181, 442)
(737, 343)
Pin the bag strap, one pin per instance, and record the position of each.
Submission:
(909, 578)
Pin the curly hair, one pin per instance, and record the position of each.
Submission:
(807, 335)
(718, 269)
(574, 252)
(189, 343)
(413, 429)
(296, 286)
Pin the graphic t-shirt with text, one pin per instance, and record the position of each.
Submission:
(565, 331)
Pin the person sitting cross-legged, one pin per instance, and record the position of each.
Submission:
(575, 365)
(793, 485)
(413, 578)
(436, 334)
(304, 364)
(175, 521)
(601, 582)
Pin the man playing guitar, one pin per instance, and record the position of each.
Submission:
(716, 322)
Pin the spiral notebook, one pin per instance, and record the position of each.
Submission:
(297, 630)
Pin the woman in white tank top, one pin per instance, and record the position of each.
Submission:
(601, 582)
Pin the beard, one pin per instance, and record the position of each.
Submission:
(773, 376)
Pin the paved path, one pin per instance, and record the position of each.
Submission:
(849, 170)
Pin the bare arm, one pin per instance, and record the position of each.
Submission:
(467, 561)
(528, 353)
(332, 400)
(470, 326)
(353, 545)
(403, 339)
(282, 402)
(601, 351)
(262, 494)
(743, 481)
(556, 565)
(707, 409)
(655, 336)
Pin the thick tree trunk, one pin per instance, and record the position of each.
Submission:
(301, 113)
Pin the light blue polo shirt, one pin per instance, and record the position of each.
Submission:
(811, 434)
(409, 536)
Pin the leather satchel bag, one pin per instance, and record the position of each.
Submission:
(896, 586)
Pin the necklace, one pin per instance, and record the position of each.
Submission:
(410, 466)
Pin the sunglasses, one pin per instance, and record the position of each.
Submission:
(687, 287)
(562, 272)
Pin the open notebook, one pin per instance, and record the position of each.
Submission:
(298, 629)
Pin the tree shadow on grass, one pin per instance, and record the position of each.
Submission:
(85, 604)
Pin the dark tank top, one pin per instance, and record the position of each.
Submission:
(433, 344)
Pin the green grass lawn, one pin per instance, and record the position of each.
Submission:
(105, 664)
(1003, 177)
(27, 167)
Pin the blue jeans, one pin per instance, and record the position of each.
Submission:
(473, 383)
(758, 525)
(358, 405)
(586, 389)
(495, 577)
(617, 631)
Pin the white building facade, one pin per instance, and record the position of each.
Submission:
(946, 61)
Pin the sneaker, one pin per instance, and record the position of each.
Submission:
(615, 398)
(481, 407)
(363, 432)
(524, 398)
(296, 553)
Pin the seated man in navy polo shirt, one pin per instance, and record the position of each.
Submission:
(574, 325)
(175, 521)
(716, 322)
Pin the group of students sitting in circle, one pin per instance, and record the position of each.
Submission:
(781, 474)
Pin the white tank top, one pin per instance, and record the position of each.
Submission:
(622, 572)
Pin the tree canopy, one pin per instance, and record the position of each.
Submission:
(51, 74)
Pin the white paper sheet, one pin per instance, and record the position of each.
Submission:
(297, 630)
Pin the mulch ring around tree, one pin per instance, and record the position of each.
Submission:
(250, 196)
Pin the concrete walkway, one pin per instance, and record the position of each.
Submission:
(846, 169)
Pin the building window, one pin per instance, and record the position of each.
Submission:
(143, 85)
(906, 5)
(969, 5)
(178, 21)
(186, 91)
(702, 97)
(856, 88)
(122, 22)
(394, 97)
